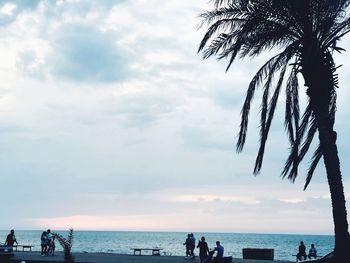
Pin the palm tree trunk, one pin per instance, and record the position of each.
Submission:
(318, 77)
(327, 139)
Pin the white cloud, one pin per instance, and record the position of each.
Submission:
(7, 9)
(215, 198)
(293, 201)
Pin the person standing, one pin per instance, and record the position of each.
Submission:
(302, 252)
(187, 244)
(193, 245)
(45, 237)
(203, 249)
(11, 239)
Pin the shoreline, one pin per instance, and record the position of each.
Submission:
(103, 257)
(172, 243)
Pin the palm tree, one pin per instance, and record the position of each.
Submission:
(66, 244)
(305, 32)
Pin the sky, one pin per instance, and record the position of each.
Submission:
(110, 120)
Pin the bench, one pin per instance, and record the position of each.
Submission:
(317, 257)
(155, 251)
(258, 253)
(24, 247)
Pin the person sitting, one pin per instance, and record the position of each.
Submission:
(301, 254)
(219, 252)
(312, 252)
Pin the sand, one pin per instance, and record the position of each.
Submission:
(35, 257)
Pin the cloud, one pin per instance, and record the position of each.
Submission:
(65, 39)
(105, 106)
(237, 212)
(10, 10)
(215, 198)
(30, 64)
(139, 108)
(83, 53)
(292, 200)
(200, 139)
(25, 5)
(7, 9)
(11, 129)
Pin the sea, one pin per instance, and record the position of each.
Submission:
(121, 242)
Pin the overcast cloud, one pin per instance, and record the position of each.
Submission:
(109, 119)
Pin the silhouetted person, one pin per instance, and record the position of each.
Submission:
(301, 254)
(51, 246)
(192, 246)
(203, 249)
(219, 252)
(312, 252)
(187, 244)
(11, 239)
(45, 238)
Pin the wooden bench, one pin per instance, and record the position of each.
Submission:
(155, 251)
(24, 247)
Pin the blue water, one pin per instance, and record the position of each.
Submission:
(120, 242)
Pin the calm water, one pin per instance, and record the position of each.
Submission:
(121, 242)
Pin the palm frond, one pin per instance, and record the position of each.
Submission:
(243, 39)
(315, 160)
(268, 69)
(292, 86)
(223, 24)
(266, 128)
(294, 158)
(228, 12)
(335, 34)
(218, 3)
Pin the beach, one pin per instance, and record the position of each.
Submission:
(35, 257)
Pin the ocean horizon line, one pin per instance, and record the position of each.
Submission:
(173, 231)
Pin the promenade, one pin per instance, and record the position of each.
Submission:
(35, 257)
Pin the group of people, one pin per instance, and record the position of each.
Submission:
(190, 244)
(205, 254)
(47, 243)
(302, 252)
